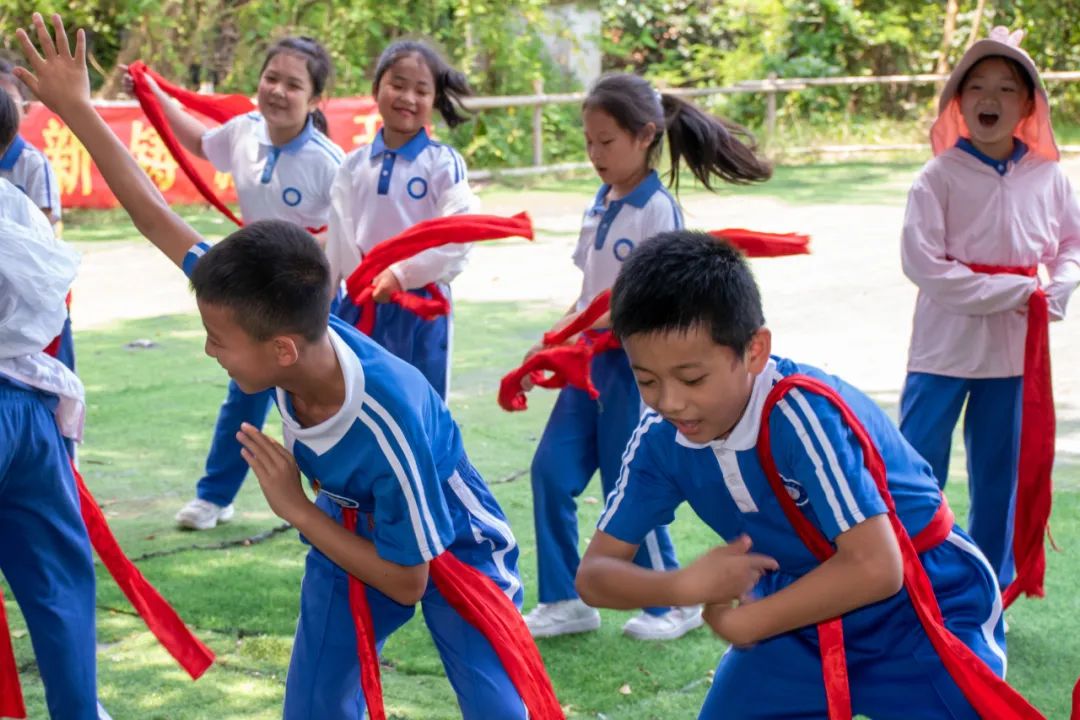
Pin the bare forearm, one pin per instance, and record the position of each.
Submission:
(358, 557)
(187, 129)
(136, 192)
(620, 584)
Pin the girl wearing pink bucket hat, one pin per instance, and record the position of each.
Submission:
(983, 214)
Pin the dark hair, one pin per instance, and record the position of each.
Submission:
(7, 69)
(9, 119)
(684, 279)
(710, 145)
(450, 84)
(272, 275)
(1019, 70)
(318, 63)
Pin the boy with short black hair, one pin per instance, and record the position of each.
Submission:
(812, 473)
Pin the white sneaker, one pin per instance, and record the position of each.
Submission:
(203, 515)
(673, 624)
(562, 618)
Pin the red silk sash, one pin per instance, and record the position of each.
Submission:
(991, 696)
(484, 606)
(425, 235)
(1034, 485)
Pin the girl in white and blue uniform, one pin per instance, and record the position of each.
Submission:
(400, 179)
(282, 164)
(625, 122)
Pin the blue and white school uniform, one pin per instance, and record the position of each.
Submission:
(27, 168)
(379, 193)
(44, 548)
(585, 435)
(894, 671)
(290, 182)
(394, 453)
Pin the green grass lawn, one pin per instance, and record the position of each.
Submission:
(150, 416)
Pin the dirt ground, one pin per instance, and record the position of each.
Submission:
(846, 308)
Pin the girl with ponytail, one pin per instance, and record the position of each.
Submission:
(626, 121)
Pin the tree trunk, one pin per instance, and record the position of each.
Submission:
(976, 23)
(952, 9)
(130, 51)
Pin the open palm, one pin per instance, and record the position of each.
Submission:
(56, 76)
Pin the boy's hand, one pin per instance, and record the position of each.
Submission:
(276, 470)
(385, 285)
(58, 78)
(724, 573)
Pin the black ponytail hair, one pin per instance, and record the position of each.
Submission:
(711, 147)
(9, 119)
(318, 63)
(450, 84)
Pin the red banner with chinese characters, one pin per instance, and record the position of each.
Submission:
(352, 121)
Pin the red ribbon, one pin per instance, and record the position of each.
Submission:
(991, 696)
(484, 606)
(762, 244)
(1034, 485)
(558, 365)
(1075, 702)
(425, 235)
(159, 616)
(11, 699)
(221, 108)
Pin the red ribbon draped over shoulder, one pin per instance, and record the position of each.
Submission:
(159, 616)
(425, 235)
(484, 606)
(991, 696)
(220, 108)
(1038, 426)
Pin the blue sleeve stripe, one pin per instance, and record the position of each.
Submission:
(193, 255)
(797, 424)
(676, 212)
(619, 492)
(411, 483)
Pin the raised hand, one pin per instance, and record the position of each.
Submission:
(56, 76)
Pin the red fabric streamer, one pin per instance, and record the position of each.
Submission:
(567, 364)
(216, 107)
(159, 616)
(370, 679)
(11, 699)
(1075, 702)
(484, 606)
(425, 235)
(991, 696)
(1034, 485)
(756, 244)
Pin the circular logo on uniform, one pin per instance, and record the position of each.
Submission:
(622, 248)
(796, 492)
(291, 196)
(417, 188)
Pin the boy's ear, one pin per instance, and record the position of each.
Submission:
(758, 351)
(286, 350)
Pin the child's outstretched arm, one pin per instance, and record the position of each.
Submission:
(59, 79)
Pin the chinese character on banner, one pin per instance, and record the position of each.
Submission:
(369, 125)
(222, 181)
(153, 157)
(69, 158)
